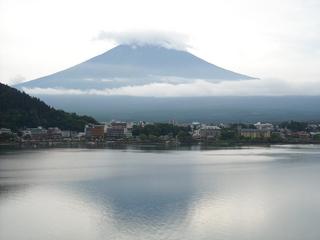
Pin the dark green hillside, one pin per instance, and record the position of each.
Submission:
(18, 109)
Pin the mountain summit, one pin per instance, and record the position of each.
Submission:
(135, 65)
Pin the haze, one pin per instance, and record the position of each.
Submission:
(278, 40)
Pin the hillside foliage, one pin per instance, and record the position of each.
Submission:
(19, 110)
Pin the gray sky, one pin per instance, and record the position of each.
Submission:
(269, 39)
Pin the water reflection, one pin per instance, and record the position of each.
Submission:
(47, 213)
(255, 193)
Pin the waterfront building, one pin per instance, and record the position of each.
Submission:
(66, 134)
(69, 134)
(255, 133)
(264, 126)
(93, 131)
(54, 133)
(116, 130)
(38, 133)
(207, 132)
(300, 135)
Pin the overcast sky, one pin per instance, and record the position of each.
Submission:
(269, 39)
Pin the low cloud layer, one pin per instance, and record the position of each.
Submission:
(263, 87)
(169, 40)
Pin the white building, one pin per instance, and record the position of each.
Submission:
(264, 126)
(116, 130)
(207, 132)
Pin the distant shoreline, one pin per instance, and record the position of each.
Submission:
(157, 145)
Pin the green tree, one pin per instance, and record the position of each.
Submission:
(184, 137)
(294, 126)
(228, 134)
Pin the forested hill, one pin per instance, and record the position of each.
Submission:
(18, 110)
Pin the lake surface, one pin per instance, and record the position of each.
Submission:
(248, 193)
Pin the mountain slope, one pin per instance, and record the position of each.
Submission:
(135, 65)
(17, 110)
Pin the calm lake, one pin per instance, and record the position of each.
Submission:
(246, 193)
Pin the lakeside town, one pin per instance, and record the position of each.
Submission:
(172, 133)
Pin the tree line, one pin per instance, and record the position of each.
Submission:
(19, 110)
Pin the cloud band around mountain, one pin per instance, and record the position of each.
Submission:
(262, 87)
(170, 40)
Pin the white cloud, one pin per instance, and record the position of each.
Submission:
(165, 39)
(264, 87)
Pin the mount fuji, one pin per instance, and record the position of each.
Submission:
(134, 65)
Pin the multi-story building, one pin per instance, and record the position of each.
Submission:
(69, 134)
(116, 130)
(300, 134)
(207, 132)
(54, 133)
(255, 133)
(93, 131)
